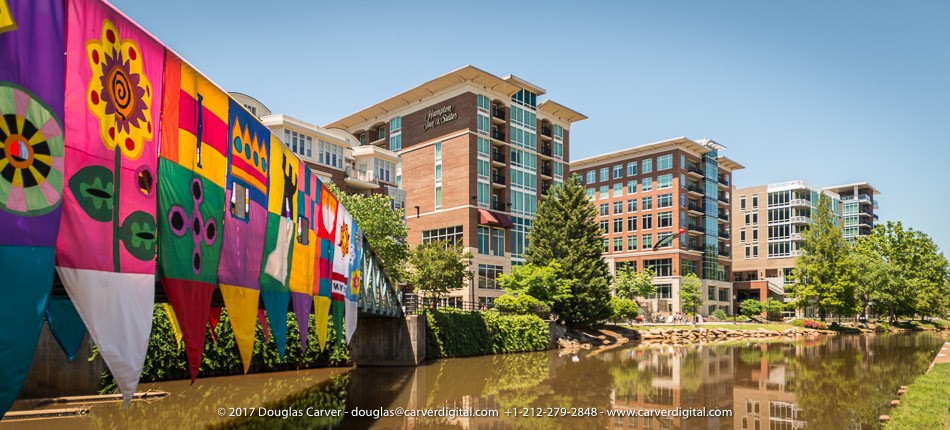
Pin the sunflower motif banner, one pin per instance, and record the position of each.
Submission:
(303, 267)
(192, 169)
(281, 214)
(326, 231)
(31, 176)
(343, 255)
(245, 221)
(106, 249)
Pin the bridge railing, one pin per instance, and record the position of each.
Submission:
(379, 295)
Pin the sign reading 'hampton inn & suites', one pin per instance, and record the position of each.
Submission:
(439, 116)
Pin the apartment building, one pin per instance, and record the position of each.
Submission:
(770, 220)
(667, 206)
(334, 155)
(477, 152)
(858, 202)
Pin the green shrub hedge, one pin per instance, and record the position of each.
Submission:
(453, 333)
(166, 361)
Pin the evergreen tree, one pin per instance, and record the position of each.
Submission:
(565, 230)
(820, 278)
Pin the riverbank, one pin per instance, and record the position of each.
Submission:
(571, 340)
(924, 403)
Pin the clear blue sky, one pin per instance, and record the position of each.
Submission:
(828, 92)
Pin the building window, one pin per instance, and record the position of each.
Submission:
(484, 104)
(647, 203)
(646, 166)
(498, 242)
(664, 181)
(438, 175)
(647, 222)
(618, 171)
(603, 191)
(632, 168)
(755, 202)
(664, 162)
(646, 184)
(742, 203)
(618, 207)
(605, 226)
(662, 267)
(664, 291)
(742, 235)
(438, 197)
(591, 177)
(618, 189)
(682, 162)
(604, 174)
(453, 235)
(483, 194)
(631, 223)
(632, 205)
(618, 225)
(591, 192)
(395, 134)
(618, 244)
(603, 209)
(631, 243)
(661, 237)
(664, 200)
(647, 241)
(688, 266)
(329, 154)
(488, 276)
(632, 187)
(664, 219)
(483, 240)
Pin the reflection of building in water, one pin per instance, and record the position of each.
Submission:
(761, 398)
(670, 378)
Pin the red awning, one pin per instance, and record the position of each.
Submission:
(486, 217)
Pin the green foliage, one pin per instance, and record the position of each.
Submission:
(810, 323)
(630, 284)
(545, 283)
(690, 297)
(565, 230)
(882, 327)
(925, 404)
(453, 333)
(166, 361)
(384, 228)
(438, 267)
(820, 279)
(750, 307)
(773, 308)
(330, 395)
(522, 304)
(624, 309)
(901, 272)
(720, 314)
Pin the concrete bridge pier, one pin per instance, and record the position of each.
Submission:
(389, 342)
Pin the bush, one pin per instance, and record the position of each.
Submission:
(750, 307)
(453, 333)
(810, 323)
(624, 309)
(720, 315)
(882, 327)
(522, 304)
(166, 361)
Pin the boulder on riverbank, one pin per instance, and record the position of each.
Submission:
(702, 335)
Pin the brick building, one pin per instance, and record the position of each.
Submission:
(477, 153)
(646, 194)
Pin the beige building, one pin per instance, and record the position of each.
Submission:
(477, 152)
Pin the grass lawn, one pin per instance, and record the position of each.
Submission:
(726, 326)
(923, 325)
(925, 404)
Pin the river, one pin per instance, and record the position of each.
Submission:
(829, 382)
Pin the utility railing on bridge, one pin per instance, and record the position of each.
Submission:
(379, 296)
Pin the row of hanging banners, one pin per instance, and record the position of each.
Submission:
(118, 158)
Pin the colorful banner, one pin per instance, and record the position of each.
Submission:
(355, 283)
(281, 214)
(192, 169)
(31, 176)
(106, 250)
(305, 247)
(343, 255)
(326, 231)
(245, 221)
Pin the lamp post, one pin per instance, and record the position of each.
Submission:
(734, 309)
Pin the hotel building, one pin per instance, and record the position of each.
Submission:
(334, 155)
(646, 194)
(477, 152)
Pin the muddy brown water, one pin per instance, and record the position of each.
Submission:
(830, 382)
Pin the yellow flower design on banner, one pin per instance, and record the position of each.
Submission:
(120, 94)
(6, 18)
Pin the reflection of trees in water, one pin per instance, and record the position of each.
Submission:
(328, 396)
(629, 379)
(852, 378)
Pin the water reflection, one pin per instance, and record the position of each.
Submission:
(838, 382)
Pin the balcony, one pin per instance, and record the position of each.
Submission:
(723, 181)
(499, 206)
(695, 229)
(695, 207)
(800, 220)
(498, 157)
(723, 198)
(546, 131)
(545, 186)
(723, 217)
(498, 135)
(498, 180)
(796, 236)
(694, 189)
(725, 252)
(545, 150)
(545, 170)
(498, 113)
(695, 170)
(696, 247)
(800, 202)
(360, 180)
(723, 234)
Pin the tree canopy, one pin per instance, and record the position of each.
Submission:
(820, 281)
(690, 297)
(435, 268)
